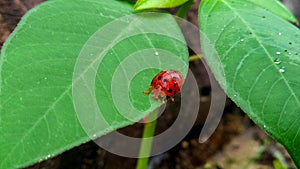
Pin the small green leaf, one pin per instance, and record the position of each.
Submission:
(277, 8)
(149, 4)
(255, 56)
(41, 78)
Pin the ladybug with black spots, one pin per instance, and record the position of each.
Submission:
(166, 84)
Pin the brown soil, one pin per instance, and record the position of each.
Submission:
(236, 143)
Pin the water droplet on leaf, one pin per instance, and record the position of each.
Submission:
(282, 69)
(278, 53)
(277, 61)
(156, 53)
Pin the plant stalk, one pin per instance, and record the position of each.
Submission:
(147, 138)
(184, 9)
(195, 57)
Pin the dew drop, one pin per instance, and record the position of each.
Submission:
(290, 53)
(45, 78)
(242, 40)
(94, 135)
(282, 69)
(277, 61)
(279, 33)
(265, 126)
(278, 53)
(156, 53)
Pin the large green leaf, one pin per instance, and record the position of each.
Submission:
(148, 4)
(255, 56)
(37, 69)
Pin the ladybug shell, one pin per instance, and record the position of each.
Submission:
(166, 84)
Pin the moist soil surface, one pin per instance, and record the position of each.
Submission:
(236, 143)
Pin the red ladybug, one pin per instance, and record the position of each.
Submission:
(166, 84)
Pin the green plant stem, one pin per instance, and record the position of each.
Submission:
(195, 57)
(146, 143)
(184, 9)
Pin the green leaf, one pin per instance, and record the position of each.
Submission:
(149, 4)
(277, 8)
(42, 81)
(255, 56)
